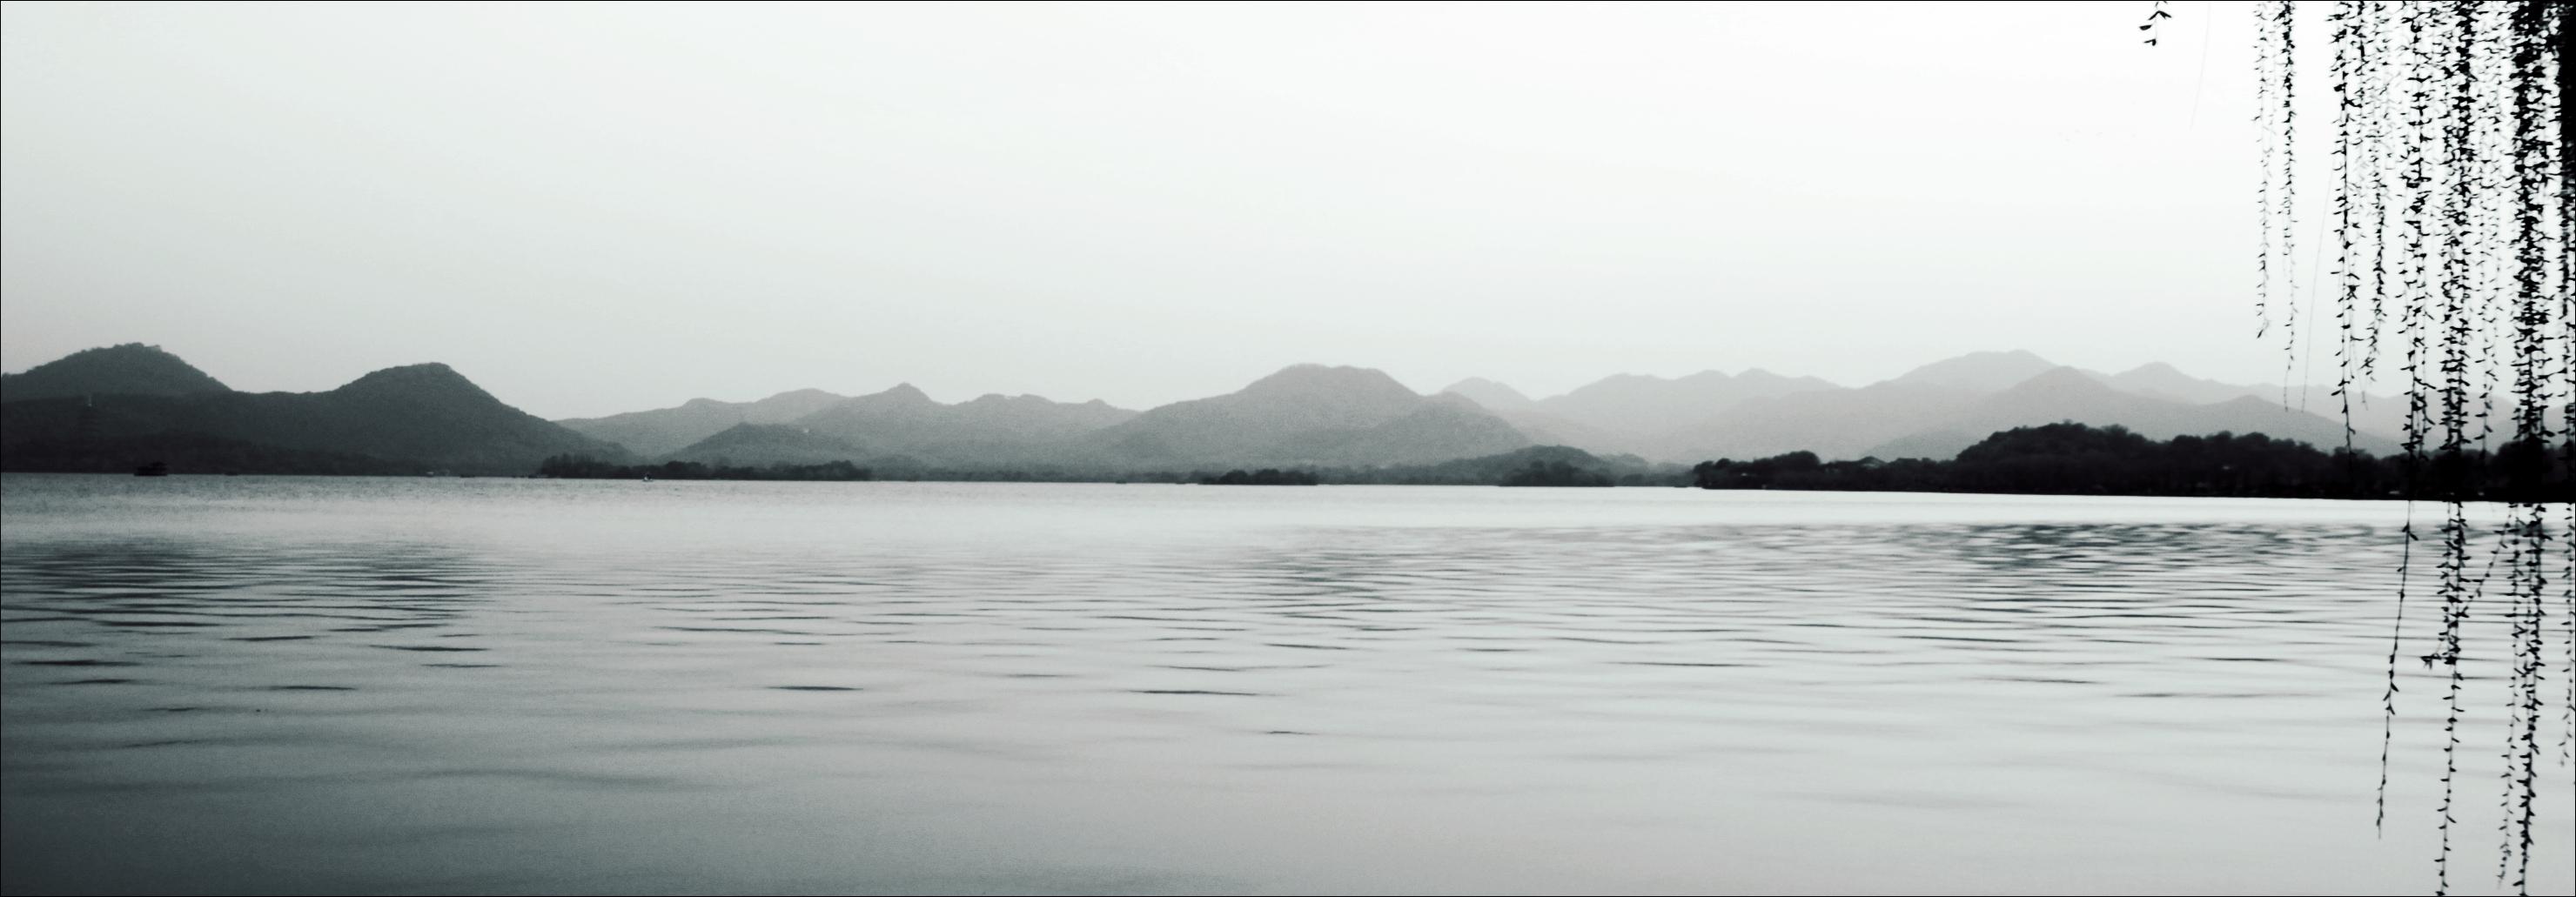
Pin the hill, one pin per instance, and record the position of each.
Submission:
(2067, 394)
(1308, 415)
(1630, 409)
(417, 417)
(768, 445)
(128, 369)
(988, 431)
(665, 430)
(1493, 396)
(1845, 423)
(1978, 372)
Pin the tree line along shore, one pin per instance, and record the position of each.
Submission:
(2056, 459)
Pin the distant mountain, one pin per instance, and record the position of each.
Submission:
(149, 402)
(1493, 396)
(1631, 407)
(992, 430)
(1030, 416)
(2068, 394)
(129, 369)
(1939, 408)
(2162, 381)
(1544, 428)
(2378, 415)
(418, 416)
(766, 445)
(1309, 415)
(1841, 423)
(1527, 416)
(665, 430)
(2375, 415)
(1978, 372)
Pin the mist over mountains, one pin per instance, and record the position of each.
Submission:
(1932, 411)
(667, 430)
(103, 408)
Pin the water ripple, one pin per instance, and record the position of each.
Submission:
(901, 686)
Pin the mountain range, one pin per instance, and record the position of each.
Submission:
(103, 407)
(1931, 411)
(397, 420)
(667, 430)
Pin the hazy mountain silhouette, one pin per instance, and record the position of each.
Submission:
(2375, 415)
(2381, 416)
(2162, 381)
(2068, 394)
(428, 416)
(765, 445)
(1310, 415)
(1493, 396)
(1938, 408)
(896, 411)
(1525, 415)
(991, 430)
(1978, 372)
(1346, 416)
(1633, 407)
(1840, 423)
(664, 430)
(128, 369)
(423, 415)
(1543, 428)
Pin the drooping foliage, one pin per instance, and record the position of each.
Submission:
(2451, 218)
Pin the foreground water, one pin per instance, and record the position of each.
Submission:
(373, 685)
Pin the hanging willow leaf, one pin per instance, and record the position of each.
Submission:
(2453, 218)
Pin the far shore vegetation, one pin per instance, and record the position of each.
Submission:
(2074, 459)
(2055, 459)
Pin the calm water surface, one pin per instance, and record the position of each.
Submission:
(286, 684)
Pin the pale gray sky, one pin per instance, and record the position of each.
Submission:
(595, 209)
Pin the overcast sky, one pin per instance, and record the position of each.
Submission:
(596, 209)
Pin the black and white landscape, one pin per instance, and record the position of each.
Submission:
(1215, 448)
(144, 404)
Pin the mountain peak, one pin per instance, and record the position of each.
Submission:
(2165, 381)
(1316, 381)
(128, 368)
(427, 380)
(1489, 394)
(2062, 380)
(1980, 371)
(427, 373)
(902, 393)
(764, 444)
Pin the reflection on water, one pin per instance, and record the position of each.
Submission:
(389, 685)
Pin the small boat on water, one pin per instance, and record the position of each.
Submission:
(154, 469)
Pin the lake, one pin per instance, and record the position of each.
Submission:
(481, 685)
